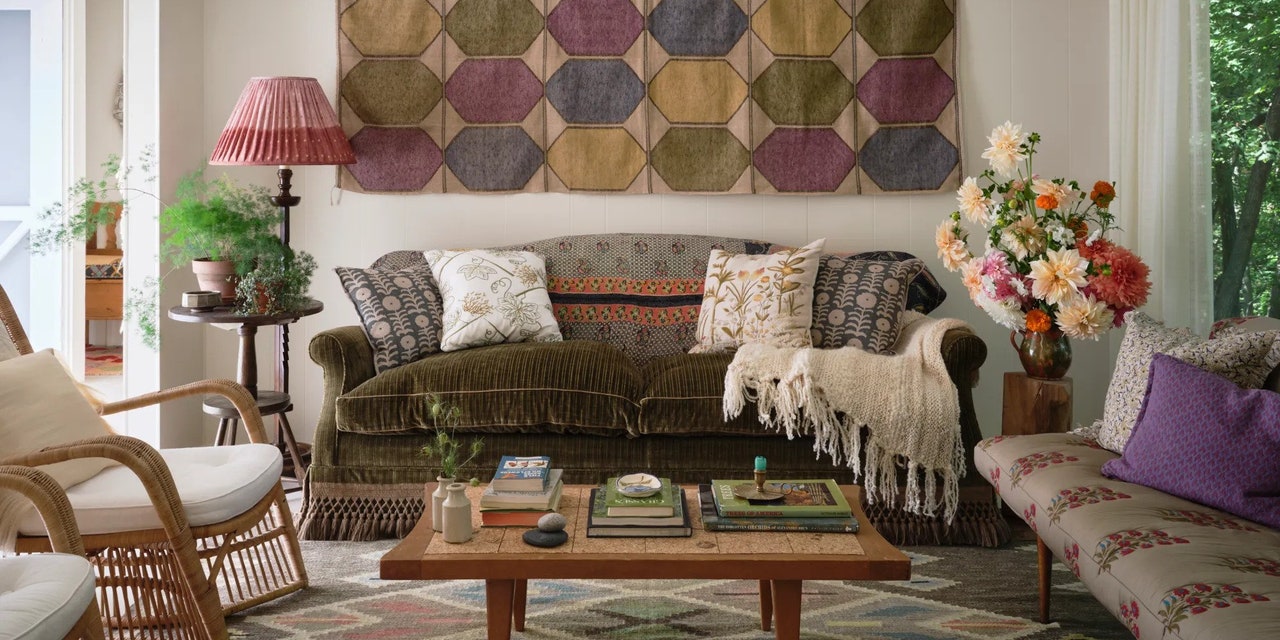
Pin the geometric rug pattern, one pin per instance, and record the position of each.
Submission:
(955, 592)
(103, 361)
(649, 96)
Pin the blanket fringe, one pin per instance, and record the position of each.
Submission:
(358, 518)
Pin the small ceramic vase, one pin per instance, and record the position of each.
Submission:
(437, 499)
(457, 514)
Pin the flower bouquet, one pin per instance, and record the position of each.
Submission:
(1047, 269)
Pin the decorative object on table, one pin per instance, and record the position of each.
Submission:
(859, 303)
(1032, 405)
(758, 298)
(399, 311)
(600, 524)
(794, 97)
(492, 297)
(520, 508)
(445, 450)
(758, 491)
(713, 521)
(660, 504)
(201, 299)
(456, 514)
(277, 283)
(282, 121)
(550, 532)
(522, 473)
(638, 485)
(808, 498)
(1049, 272)
(437, 498)
(552, 522)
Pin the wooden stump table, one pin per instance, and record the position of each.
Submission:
(1032, 405)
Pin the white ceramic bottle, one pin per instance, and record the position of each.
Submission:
(456, 514)
(437, 499)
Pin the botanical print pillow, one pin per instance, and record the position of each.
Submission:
(399, 310)
(856, 303)
(1244, 359)
(758, 298)
(491, 297)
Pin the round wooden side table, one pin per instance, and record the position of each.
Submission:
(276, 403)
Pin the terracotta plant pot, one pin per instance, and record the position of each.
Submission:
(216, 275)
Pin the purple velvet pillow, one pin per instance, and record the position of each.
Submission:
(1202, 438)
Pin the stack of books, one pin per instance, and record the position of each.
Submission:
(523, 490)
(807, 505)
(662, 515)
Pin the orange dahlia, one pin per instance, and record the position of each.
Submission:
(1103, 193)
(1046, 202)
(1038, 321)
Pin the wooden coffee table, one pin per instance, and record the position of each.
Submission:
(780, 561)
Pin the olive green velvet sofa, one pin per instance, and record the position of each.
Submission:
(621, 393)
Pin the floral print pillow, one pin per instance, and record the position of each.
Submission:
(758, 298)
(492, 297)
(399, 311)
(857, 303)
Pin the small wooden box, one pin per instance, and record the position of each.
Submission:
(1035, 406)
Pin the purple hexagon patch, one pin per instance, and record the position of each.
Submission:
(493, 90)
(906, 90)
(394, 158)
(814, 160)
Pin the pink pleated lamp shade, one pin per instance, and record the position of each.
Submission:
(282, 121)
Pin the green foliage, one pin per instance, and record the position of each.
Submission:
(278, 283)
(1244, 38)
(219, 220)
(446, 451)
(76, 219)
(142, 310)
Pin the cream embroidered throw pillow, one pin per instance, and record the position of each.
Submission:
(491, 297)
(758, 298)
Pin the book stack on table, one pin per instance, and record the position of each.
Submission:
(807, 505)
(522, 491)
(662, 515)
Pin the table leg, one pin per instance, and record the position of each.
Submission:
(518, 603)
(233, 425)
(220, 438)
(1044, 565)
(498, 597)
(786, 609)
(248, 360)
(766, 605)
(284, 436)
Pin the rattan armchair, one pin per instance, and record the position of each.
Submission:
(178, 580)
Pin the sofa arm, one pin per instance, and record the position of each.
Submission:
(346, 358)
(964, 352)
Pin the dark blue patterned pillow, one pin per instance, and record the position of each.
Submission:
(924, 294)
(400, 312)
(857, 303)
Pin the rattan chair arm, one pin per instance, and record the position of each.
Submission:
(233, 391)
(11, 326)
(139, 457)
(50, 502)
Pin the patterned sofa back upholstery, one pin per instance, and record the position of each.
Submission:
(642, 292)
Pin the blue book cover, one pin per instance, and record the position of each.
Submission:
(522, 473)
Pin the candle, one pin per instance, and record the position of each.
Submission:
(760, 463)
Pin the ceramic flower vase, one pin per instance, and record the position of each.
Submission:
(437, 501)
(1045, 355)
(456, 514)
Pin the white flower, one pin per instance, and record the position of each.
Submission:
(1023, 238)
(1059, 233)
(951, 248)
(1004, 153)
(1058, 276)
(975, 206)
(1008, 313)
(1084, 317)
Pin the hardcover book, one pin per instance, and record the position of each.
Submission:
(600, 515)
(659, 504)
(713, 521)
(510, 518)
(809, 498)
(545, 499)
(522, 473)
(681, 530)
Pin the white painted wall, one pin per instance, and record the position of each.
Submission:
(1039, 62)
(104, 68)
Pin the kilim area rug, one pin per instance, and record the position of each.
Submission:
(955, 592)
(103, 361)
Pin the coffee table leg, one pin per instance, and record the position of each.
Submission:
(766, 605)
(498, 595)
(786, 609)
(518, 602)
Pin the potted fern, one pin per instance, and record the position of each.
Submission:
(447, 452)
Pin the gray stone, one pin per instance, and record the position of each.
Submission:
(552, 522)
(545, 539)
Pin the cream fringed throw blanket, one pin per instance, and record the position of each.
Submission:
(906, 402)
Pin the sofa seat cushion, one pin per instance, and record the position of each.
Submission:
(1164, 566)
(43, 595)
(683, 396)
(215, 484)
(561, 387)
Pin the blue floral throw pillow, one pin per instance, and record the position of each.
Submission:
(399, 310)
(858, 303)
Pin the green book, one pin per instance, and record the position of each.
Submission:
(600, 515)
(712, 521)
(808, 498)
(659, 504)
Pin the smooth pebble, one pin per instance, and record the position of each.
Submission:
(545, 539)
(552, 522)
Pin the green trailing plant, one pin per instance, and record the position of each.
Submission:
(446, 451)
(219, 220)
(277, 284)
(76, 219)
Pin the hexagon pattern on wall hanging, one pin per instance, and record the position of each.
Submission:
(649, 96)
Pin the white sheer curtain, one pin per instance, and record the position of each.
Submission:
(1160, 154)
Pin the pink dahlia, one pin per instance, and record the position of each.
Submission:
(1000, 280)
(1121, 278)
(1090, 249)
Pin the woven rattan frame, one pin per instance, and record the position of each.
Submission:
(177, 581)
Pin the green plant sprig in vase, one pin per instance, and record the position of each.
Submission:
(446, 452)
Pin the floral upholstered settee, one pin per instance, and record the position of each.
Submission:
(1164, 566)
(621, 392)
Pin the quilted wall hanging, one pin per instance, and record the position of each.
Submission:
(649, 96)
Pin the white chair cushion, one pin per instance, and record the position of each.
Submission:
(43, 595)
(215, 483)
